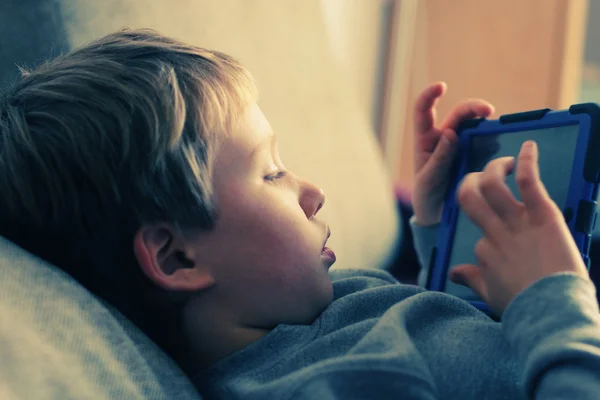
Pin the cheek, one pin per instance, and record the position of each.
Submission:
(272, 244)
(265, 228)
(271, 222)
(275, 239)
(270, 264)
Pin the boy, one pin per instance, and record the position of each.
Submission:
(144, 168)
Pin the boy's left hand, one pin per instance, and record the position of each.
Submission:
(523, 241)
(435, 149)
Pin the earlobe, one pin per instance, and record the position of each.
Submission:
(161, 254)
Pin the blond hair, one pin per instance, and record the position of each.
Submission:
(118, 133)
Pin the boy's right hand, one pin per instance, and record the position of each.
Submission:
(523, 241)
(435, 150)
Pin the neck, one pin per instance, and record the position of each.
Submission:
(205, 343)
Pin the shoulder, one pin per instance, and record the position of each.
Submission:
(367, 274)
(352, 281)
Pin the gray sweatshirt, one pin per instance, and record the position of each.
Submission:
(382, 339)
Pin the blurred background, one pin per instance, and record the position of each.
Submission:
(517, 54)
(338, 77)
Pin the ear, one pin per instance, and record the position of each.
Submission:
(166, 257)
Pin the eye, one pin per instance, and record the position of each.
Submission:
(275, 176)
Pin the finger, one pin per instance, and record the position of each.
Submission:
(424, 114)
(473, 108)
(470, 275)
(475, 206)
(532, 190)
(427, 142)
(437, 167)
(496, 192)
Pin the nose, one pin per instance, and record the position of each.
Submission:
(312, 199)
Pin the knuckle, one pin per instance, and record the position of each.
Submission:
(526, 157)
(464, 106)
(494, 164)
(525, 180)
(481, 250)
(554, 211)
(488, 183)
(469, 104)
(466, 192)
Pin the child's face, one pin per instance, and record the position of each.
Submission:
(266, 253)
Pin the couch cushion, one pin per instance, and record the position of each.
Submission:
(57, 341)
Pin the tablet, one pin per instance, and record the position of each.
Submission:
(569, 161)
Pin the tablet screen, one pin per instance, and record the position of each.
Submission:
(556, 154)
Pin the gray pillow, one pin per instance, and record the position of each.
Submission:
(57, 341)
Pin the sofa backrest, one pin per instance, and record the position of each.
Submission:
(324, 134)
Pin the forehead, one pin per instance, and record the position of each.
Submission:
(252, 131)
(255, 120)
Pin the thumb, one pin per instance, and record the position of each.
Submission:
(470, 275)
(446, 148)
(437, 167)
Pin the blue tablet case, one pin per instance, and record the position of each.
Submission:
(569, 158)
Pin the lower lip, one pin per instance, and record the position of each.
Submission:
(328, 254)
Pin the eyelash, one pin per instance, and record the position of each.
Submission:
(278, 175)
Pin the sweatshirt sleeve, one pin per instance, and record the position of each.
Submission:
(424, 239)
(554, 328)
